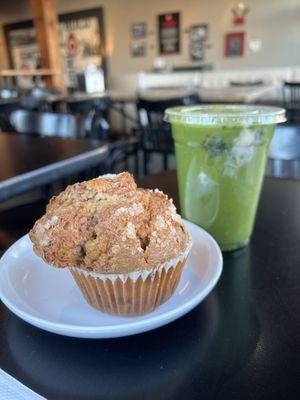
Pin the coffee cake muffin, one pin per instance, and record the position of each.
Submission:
(124, 246)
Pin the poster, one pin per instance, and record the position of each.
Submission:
(198, 35)
(138, 30)
(234, 44)
(169, 33)
(81, 36)
(80, 41)
(138, 49)
(24, 52)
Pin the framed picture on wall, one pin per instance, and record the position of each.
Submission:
(138, 49)
(82, 44)
(234, 44)
(23, 51)
(169, 33)
(198, 35)
(139, 30)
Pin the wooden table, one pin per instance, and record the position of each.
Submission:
(28, 162)
(239, 344)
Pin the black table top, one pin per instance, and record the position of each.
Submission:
(47, 157)
(22, 153)
(240, 343)
(8, 105)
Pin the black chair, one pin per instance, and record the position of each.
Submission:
(46, 124)
(96, 111)
(6, 93)
(156, 136)
(284, 157)
(37, 99)
(43, 92)
(6, 107)
(291, 98)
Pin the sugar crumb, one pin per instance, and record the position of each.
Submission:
(160, 222)
(130, 230)
(115, 248)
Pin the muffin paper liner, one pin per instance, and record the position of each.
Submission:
(135, 293)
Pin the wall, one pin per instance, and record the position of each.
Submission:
(275, 22)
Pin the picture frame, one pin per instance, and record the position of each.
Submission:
(198, 36)
(169, 33)
(199, 32)
(138, 49)
(234, 44)
(138, 30)
(81, 28)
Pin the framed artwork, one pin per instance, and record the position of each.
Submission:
(234, 44)
(138, 49)
(139, 30)
(169, 33)
(23, 51)
(198, 35)
(82, 44)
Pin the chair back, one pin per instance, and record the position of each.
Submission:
(8, 93)
(46, 124)
(156, 133)
(95, 112)
(285, 144)
(284, 161)
(291, 93)
(42, 93)
(83, 105)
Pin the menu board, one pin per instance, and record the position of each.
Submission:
(169, 33)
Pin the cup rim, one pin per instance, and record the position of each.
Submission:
(225, 114)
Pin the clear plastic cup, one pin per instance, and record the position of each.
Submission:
(221, 154)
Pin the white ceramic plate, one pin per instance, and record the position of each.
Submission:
(48, 298)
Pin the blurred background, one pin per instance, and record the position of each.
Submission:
(84, 85)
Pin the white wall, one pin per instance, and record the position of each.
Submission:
(275, 22)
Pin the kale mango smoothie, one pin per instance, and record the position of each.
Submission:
(221, 154)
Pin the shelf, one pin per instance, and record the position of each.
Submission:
(29, 72)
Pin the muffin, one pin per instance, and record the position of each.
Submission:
(124, 246)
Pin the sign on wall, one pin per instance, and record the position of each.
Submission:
(23, 49)
(169, 33)
(234, 44)
(198, 36)
(81, 41)
(139, 30)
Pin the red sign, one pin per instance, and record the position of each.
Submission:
(169, 33)
(234, 44)
(73, 44)
(239, 20)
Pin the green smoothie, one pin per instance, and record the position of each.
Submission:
(221, 154)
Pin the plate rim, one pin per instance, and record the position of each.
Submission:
(121, 329)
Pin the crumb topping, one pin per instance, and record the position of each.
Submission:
(109, 225)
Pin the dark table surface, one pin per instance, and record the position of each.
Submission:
(28, 161)
(241, 342)
(8, 105)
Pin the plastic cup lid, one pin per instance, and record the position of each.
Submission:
(225, 114)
